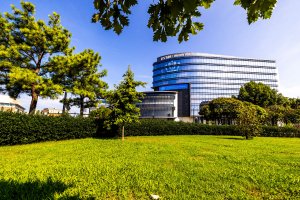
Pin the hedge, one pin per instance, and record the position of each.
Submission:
(160, 127)
(274, 131)
(23, 129)
(18, 128)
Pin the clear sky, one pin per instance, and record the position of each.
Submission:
(226, 32)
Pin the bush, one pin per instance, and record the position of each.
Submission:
(23, 129)
(274, 131)
(18, 128)
(161, 127)
(148, 127)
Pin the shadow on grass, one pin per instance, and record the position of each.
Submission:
(14, 190)
(233, 138)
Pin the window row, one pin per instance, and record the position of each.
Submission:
(190, 79)
(223, 86)
(215, 61)
(209, 75)
(217, 91)
(147, 102)
(224, 69)
(211, 82)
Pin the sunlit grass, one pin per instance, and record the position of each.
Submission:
(173, 167)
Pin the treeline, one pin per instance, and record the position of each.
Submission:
(260, 103)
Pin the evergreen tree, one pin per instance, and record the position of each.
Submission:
(79, 75)
(123, 101)
(26, 44)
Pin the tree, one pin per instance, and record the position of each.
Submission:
(294, 103)
(170, 18)
(123, 100)
(276, 114)
(258, 94)
(79, 75)
(247, 116)
(248, 121)
(222, 110)
(26, 44)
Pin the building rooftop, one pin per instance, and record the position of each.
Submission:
(7, 99)
(190, 54)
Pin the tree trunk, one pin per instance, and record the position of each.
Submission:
(34, 100)
(123, 133)
(64, 103)
(247, 136)
(81, 106)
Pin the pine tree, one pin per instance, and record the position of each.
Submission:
(79, 76)
(123, 101)
(26, 44)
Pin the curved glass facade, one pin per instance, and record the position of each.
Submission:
(158, 105)
(207, 76)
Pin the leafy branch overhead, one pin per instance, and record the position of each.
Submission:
(169, 18)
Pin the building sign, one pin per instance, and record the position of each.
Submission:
(174, 56)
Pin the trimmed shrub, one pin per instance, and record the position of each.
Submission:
(18, 128)
(148, 127)
(274, 131)
(23, 129)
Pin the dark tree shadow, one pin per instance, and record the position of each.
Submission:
(13, 190)
(233, 138)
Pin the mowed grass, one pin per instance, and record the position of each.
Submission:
(173, 167)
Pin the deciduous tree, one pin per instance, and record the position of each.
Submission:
(258, 94)
(172, 17)
(26, 44)
(248, 121)
(223, 110)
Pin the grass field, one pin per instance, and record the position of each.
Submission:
(173, 167)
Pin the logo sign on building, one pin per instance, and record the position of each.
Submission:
(174, 56)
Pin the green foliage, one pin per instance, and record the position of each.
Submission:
(257, 9)
(222, 109)
(173, 167)
(276, 114)
(294, 103)
(279, 108)
(102, 113)
(248, 121)
(123, 101)
(26, 44)
(258, 94)
(23, 129)
(171, 18)
(292, 116)
(150, 127)
(79, 75)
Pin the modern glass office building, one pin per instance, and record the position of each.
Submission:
(159, 104)
(201, 77)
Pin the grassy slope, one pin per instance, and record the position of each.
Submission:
(174, 167)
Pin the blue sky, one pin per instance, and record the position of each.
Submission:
(226, 32)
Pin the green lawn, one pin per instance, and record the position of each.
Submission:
(173, 167)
